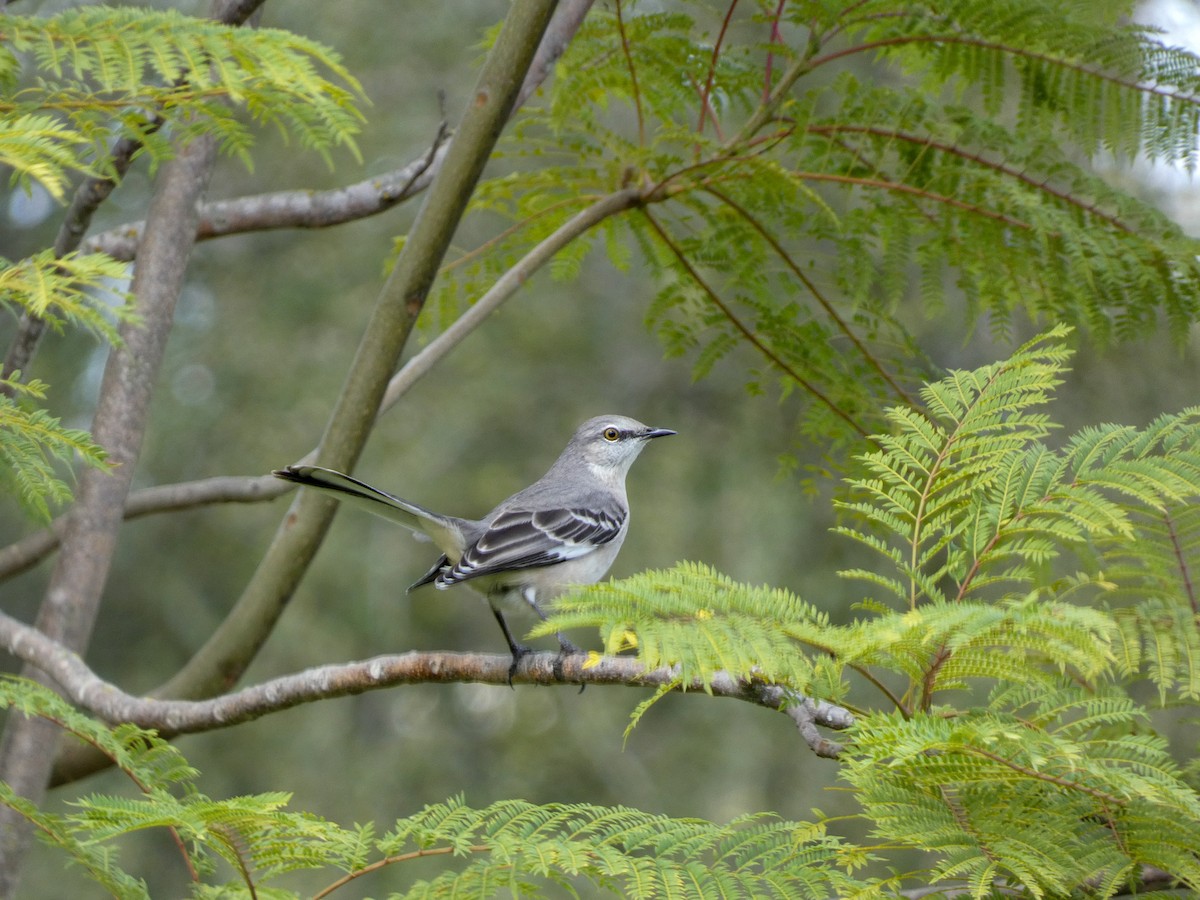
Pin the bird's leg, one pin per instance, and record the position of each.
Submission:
(565, 646)
(518, 650)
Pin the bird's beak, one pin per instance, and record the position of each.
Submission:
(656, 432)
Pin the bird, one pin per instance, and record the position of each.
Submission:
(565, 529)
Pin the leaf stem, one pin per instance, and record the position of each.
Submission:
(745, 330)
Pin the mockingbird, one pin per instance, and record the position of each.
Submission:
(564, 529)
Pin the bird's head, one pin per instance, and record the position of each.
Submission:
(610, 444)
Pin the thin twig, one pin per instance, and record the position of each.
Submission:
(29, 551)
(712, 69)
(745, 330)
(633, 79)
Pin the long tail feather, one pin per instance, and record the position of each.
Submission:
(445, 531)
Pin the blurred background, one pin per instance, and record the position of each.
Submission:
(266, 330)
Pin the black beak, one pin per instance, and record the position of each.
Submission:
(656, 432)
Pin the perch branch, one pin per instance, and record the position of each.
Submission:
(87, 690)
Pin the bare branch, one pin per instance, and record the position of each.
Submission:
(568, 17)
(293, 209)
(86, 689)
(505, 287)
(29, 551)
(72, 600)
(807, 714)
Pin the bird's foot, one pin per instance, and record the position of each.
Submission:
(566, 648)
(519, 652)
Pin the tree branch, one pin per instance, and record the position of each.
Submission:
(72, 600)
(222, 659)
(87, 690)
(293, 209)
(29, 551)
(504, 287)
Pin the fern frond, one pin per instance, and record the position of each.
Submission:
(114, 72)
(80, 289)
(99, 862)
(634, 853)
(45, 150)
(944, 646)
(31, 442)
(701, 622)
(1048, 810)
(921, 484)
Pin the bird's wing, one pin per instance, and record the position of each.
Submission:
(526, 539)
(446, 531)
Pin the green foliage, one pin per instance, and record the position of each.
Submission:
(510, 845)
(1056, 792)
(77, 289)
(31, 440)
(107, 73)
(967, 501)
(1023, 590)
(103, 74)
(812, 186)
(735, 629)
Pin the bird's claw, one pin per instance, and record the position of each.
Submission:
(519, 652)
(566, 648)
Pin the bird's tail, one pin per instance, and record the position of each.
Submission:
(426, 524)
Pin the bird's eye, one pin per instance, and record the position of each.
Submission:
(612, 434)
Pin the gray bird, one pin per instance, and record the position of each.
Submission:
(564, 529)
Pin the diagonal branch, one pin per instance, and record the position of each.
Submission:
(220, 662)
(29, 551)
(229, 650)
